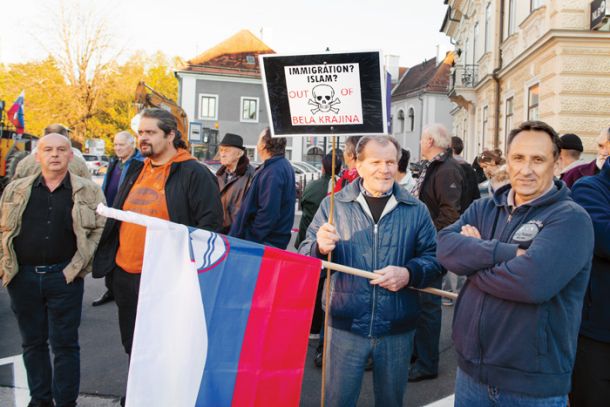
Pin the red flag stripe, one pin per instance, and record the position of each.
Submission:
(273, 353)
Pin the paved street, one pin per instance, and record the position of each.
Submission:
(104, 364)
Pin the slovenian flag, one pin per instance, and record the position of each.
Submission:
(221, 321)
(15, 113)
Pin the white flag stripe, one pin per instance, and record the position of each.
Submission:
(170, 339)
(138, 219)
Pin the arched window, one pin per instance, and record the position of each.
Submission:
(401, 121)
(411, 119)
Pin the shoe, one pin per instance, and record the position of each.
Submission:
(314, 336)
(317, 360)
(40, 403)
(447, 302)
(416, 376)
(106, 297)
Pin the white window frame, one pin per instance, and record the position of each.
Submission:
(241, 109)
(536, 4)
(526, 103)
(401, 120)
(475, 33)
(485, 121)
(208, 96)
(487, 27)
(507, 130)
(411, 119)
(512, 17)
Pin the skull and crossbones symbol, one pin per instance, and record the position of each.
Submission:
(324, 99)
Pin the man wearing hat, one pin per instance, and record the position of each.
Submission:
(266, 215)
(569, 156)
(234, 177)
(593, 167)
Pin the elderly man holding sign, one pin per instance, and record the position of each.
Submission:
(378, 227)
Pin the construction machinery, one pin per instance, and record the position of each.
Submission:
(147, 97)
(13, 148)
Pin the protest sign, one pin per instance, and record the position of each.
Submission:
(325, 94)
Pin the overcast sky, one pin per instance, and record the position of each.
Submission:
(408, 28)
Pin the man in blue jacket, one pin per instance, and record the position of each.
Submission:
(378, 227)
(126, 152)
(526, 253)
(266, 215)
(591, 378)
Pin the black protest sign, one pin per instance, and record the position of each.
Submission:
(324, 94)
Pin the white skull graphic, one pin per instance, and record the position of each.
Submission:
(324, 99)
(323, 95)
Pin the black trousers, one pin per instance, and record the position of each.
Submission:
(108, 283)
(126, 287)
(591, 376)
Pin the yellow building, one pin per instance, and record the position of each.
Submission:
(523, 60)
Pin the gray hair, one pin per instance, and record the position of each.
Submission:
(381, 140)
(439, 134)
(127, 136)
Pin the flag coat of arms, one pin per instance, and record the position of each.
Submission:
(221, 321)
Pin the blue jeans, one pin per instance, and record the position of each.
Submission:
(48, 310)
(348, 357)
(428, 331)
(471, 393)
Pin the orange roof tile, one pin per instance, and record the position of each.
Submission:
(241, 43)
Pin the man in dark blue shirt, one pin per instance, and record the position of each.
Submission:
(526, 253)
(267, 212)
(126, 152)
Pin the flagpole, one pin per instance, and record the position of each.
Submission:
(367, 274)
(327, 282)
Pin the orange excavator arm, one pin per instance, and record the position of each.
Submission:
(147, 97)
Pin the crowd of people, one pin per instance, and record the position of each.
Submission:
(530, 260)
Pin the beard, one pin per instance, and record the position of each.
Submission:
(149, 152)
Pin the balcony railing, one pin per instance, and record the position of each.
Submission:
(464, 76)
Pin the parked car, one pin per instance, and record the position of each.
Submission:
(212, 165)
(304, 171)
(96, 162)
(310, 166)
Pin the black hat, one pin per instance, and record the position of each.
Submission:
(570, 142)
(233, 140)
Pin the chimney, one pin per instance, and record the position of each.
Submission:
(392, 65)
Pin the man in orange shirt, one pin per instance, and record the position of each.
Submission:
(170, 184)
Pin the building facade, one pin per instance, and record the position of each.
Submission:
(520, 60)
(420, 98)
(221, 89)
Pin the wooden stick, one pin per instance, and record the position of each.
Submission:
(327, 282)
(367, 274)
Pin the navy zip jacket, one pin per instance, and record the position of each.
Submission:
(516, 320)
(266, 215)
(404, 236)
(593, 193)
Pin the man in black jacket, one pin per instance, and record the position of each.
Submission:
(440, 187)
(470, 185)
(170, 184)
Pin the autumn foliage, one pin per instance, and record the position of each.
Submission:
(94, 109)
